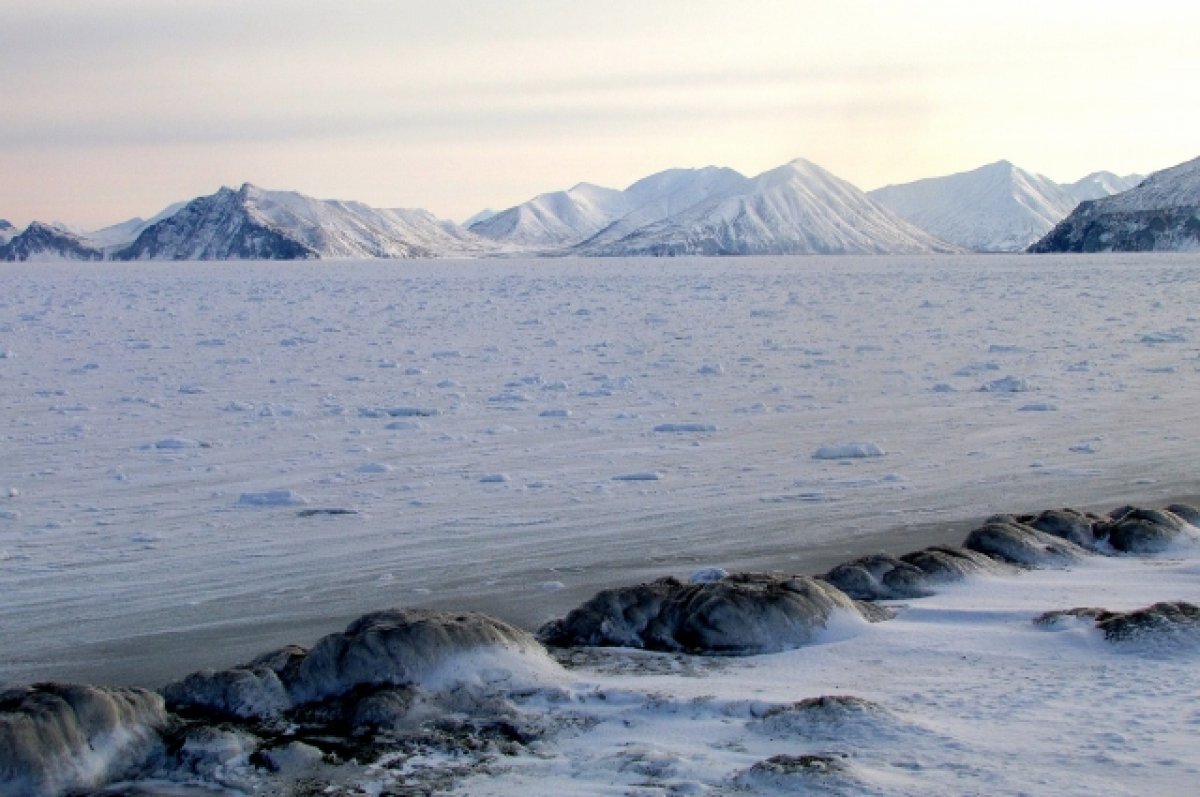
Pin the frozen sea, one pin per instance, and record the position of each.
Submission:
(512, 435)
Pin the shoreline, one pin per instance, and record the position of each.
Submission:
(178, 653)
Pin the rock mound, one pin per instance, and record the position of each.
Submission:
(1005, 538)
(943, 564)
(1133, 530)
(56, 738)
(1162, 620)
(1067, 524)
(743, 614)
(417, 648)
(879, 577)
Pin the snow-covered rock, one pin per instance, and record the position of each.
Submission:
(742, 614)
(1004, 538)
(1161, 214)
(59, 738)
(414, 647)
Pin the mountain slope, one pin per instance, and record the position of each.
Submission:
(45, 242)
(252, 223)
(995, 208)
(1162, 214)
(798, 208)
(7, 231)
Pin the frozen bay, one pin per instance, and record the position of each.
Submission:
(513, 435)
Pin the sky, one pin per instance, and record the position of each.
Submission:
(112, 109)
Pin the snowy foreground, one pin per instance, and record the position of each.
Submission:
(203, 462)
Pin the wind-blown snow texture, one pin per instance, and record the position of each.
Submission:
(1161, 215)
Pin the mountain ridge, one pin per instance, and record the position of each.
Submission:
(796, 208)
(1162, 214)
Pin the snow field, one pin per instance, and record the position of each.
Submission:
(514, 445)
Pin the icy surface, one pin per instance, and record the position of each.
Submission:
(554, 375)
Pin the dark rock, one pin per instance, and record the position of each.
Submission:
(879, 577)
(743, 614)
(1134, 530)
(1002, 537)
(801, 764)
(947, 563)
(240, 693)
(1185, 512)
(1161, 619)
(56, 738)
(1167, 617)
(1066, 524)
(393, 648)
(400, 647)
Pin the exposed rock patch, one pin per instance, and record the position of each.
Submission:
(1162, 620)
(1134, 530)
(56, 737)
(743, 614)
(1003, 537)
(392, 648)
(879, 577)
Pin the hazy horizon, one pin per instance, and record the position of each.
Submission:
(122, 107)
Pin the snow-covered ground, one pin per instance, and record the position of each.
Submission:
(511, 436)
(962, 693)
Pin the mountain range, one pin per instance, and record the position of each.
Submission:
(797, 208)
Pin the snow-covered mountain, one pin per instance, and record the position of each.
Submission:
(1160, 214)
(797, 208)
(7, 231)
(995, 208)
(1098, 185)
(41, 241)
(556, 220)
(664, 195)
(253, 224)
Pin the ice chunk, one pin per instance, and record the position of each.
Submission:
(849, 451)
(272, 498)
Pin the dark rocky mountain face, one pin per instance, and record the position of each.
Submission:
(216, 227)
(1162, 214)
(41, 241)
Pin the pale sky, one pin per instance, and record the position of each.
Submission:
(111, 109)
